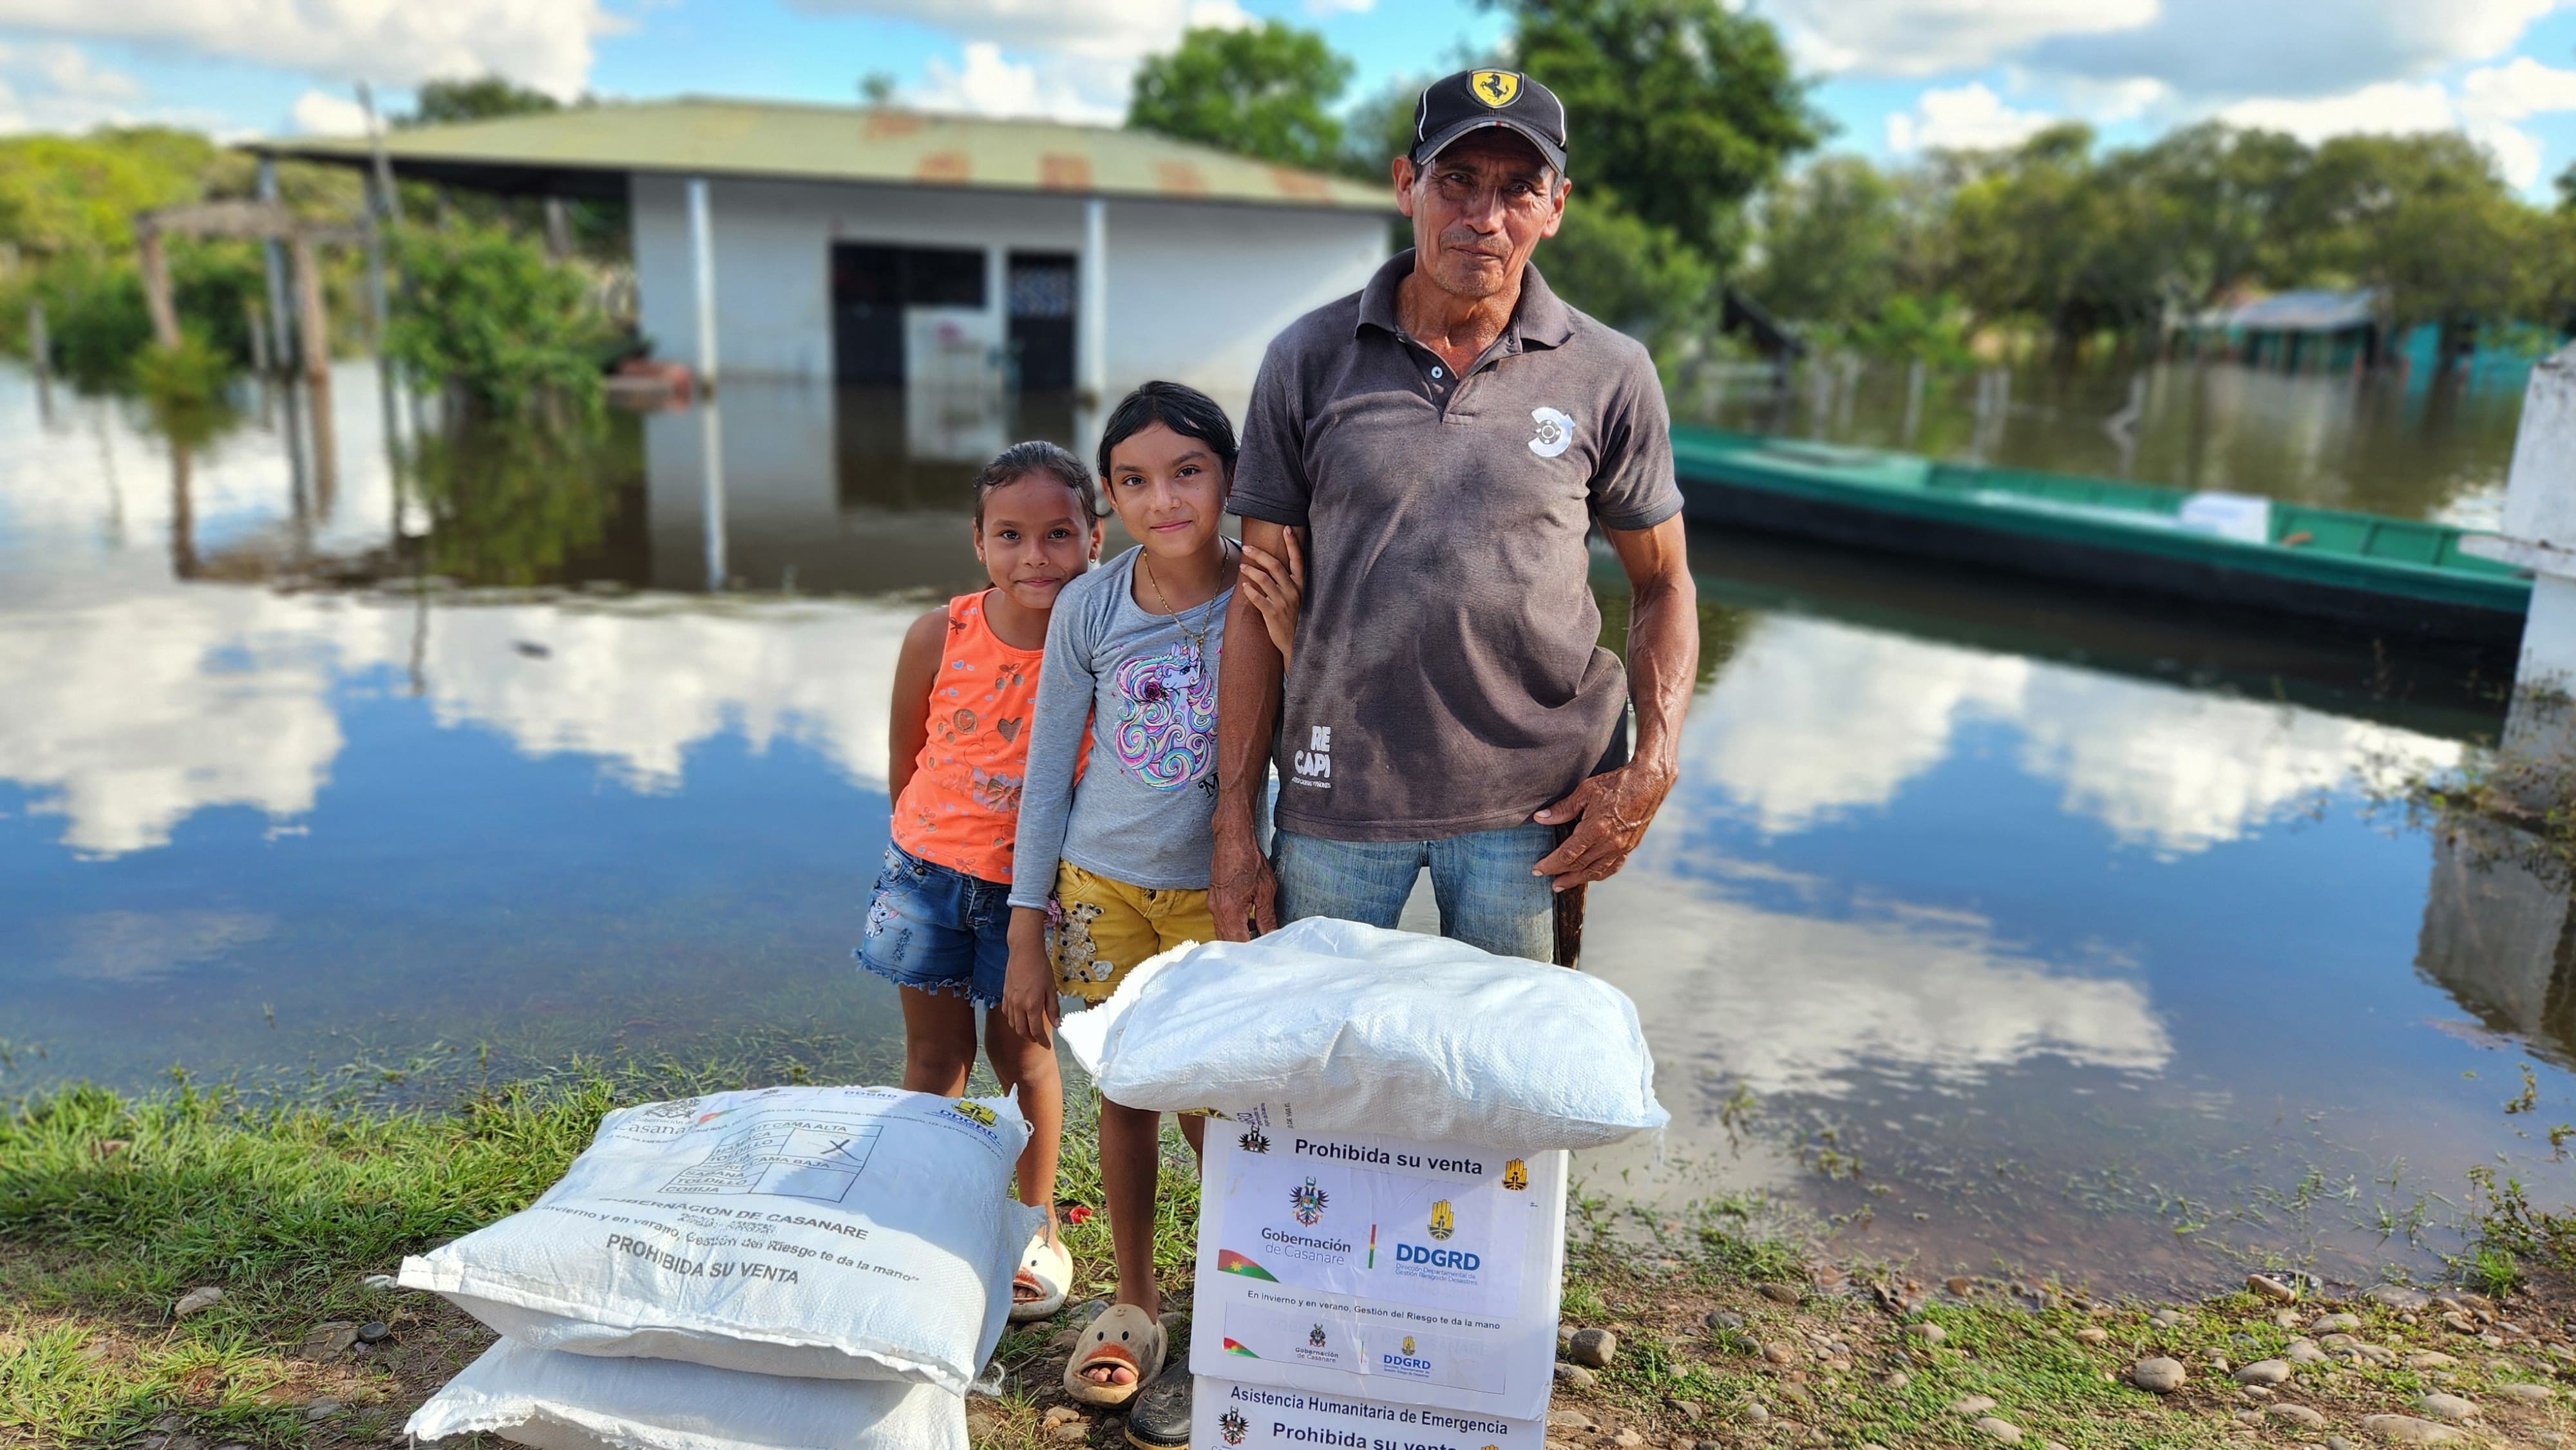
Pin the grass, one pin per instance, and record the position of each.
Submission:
(113, 1206)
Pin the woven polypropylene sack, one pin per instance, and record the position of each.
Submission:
(835, 1232)
(556, 1401)
(1362, 1030)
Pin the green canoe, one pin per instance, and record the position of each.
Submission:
(2228, 551)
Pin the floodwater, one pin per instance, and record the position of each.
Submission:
(1988, 926)
(2419, 444)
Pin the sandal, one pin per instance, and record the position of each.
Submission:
(1047, 1268)
(1123, 1335)
(1160, 1417)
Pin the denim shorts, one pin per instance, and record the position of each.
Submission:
(938, 929)
(1488, 896)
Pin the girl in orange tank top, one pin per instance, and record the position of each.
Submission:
(938, 925)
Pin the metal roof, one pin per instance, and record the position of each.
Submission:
(589, 150)
(2310, 311)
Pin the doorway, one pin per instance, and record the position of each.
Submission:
(1042, 297)
(871, 287)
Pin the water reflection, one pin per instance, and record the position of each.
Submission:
(1966, 873)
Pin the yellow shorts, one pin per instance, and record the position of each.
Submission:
(1109, 926)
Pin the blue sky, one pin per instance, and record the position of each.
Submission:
(1896, 76)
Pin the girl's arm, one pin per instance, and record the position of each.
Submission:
(1065, 686)
(908, 724)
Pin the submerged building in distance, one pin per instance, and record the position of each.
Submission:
(875, 246)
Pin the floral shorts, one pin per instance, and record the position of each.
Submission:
(1098, 928)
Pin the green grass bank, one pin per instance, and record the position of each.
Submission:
(113, 1208)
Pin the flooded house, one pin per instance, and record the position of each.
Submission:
(867, 245)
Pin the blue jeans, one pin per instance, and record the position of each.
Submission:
(938, 929)
(1488, 896)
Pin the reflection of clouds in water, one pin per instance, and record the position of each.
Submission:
(1787, 1003)
(130, 711)
(1812, 720)
(137, 946)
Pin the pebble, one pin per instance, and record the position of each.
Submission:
(2264, 1372)
(1899, 1379)
(374, 1331)
(2160, 1375)
(1779, 1293)
(1593, 1348)
(2447, 1407)
(1568, 1420)
(2429, 1359)
(2004, 1430)
(2398, 1296)
(1927, 1332)
(204, 1297)
(2296, 1415)
(2407, 1430)
(1972, 1404)
(2337, 1442)
(2303, 1351)
(1723, 1319)
(1628, 1440)
(1779, 1352)
(1089, 1309)
(1071, 1432)
(2093, 1334)
(2336, 1323)
(2165, 1318)
(1756, 1413)
(328, 1341)
(2529, 1394)
(1061, 1414)
(2272, 1289)
(1575, 1376)
(321, 1410)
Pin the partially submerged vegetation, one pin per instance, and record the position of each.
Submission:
(114, 1209)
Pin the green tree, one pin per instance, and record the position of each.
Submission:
(485, 312)
(2225, 194)
(1682, 109)
(1830, 242)
(2042, 233)
(442, 103)
(1265, 92)
(2424, 218)
(1630, 273)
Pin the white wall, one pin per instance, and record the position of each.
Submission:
(1195, 290)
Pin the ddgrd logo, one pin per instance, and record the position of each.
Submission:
(1443, 1222)
(973, 1111)
(1408, 1346)
(1516, 1176)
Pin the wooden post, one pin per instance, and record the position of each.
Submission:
(40, 344)
(274, 255)
(156, 286)
(257, 322)
(313, 339)
(558, 229)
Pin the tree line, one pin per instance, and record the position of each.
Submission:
(1689, 123)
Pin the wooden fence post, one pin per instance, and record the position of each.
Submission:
(313, 339)
(156, 286)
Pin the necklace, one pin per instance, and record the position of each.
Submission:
(1198, 636)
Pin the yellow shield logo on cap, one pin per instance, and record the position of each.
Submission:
(1495, 88)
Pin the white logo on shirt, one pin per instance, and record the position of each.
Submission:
(1555, 432)
(1314, 764)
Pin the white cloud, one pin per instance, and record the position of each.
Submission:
(54, 86)
(2222, 50)
(2520, 87)
(2388, 108)
(1925, 37)
(1323, 8)
(2486, 105)
(542, 43)
(1097, 29)
(987, 83)
(320, 113)
(1968, 117)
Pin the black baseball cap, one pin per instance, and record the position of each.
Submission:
(1472, 100)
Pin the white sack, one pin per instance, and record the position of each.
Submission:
(836, 1232)
(1370, 1031)
(558, 1401)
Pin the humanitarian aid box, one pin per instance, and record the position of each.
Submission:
(1225, 1415)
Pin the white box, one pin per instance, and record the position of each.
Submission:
(1230, 1416)
(1378, 1268)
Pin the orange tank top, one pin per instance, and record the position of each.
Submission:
(962, 806)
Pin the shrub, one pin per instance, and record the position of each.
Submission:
(489, 315)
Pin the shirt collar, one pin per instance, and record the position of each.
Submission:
(1539, 317)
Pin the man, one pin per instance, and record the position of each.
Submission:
(1446, 438)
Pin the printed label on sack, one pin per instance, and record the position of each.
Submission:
(1353, 1218)
(1230, 1416)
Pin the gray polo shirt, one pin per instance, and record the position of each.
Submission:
(1448, 675)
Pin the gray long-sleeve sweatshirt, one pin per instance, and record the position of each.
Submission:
(1141, 814)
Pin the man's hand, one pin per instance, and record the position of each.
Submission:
(1611, 812)
(1029, 1001)
(1243, 895)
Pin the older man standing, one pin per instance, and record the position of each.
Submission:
(1447, 438)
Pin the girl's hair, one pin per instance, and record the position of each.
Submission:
(1045, 460)
(1177, 406)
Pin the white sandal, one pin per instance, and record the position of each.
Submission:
(1122, 1335)
(1047, 1265)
